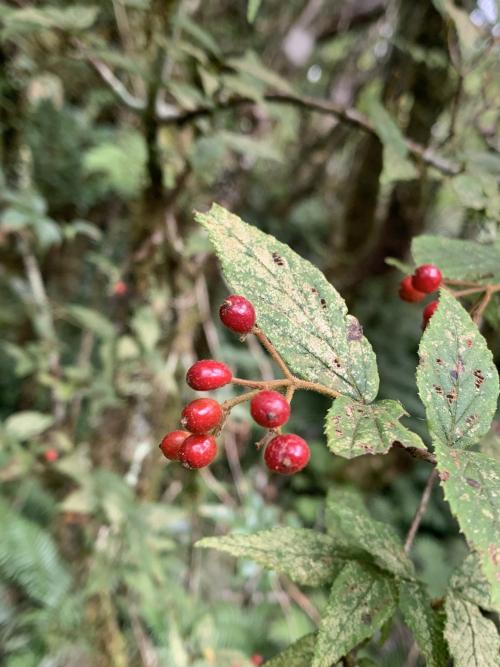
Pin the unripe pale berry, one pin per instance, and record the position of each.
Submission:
(172, 442)
(408, 293)
(237, 314)
(201, 415)
(270, 409)
(287, 454)
(207, 374)
(198, 451)
(428, 312)
(426, 278)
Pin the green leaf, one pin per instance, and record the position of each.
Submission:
(27, 424)
(306, 556)
(361, 600)
(471, 585)
(353, 429)
(469, 191)
(471, 483)
(425, 623)
(298, 654)
(457, 379)
(90, 319)
(352, 528)
(251, 64)
(459, 259)
(253, 9)
(302, 314)
(30, 19)
(472, 638)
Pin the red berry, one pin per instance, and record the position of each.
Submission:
(287, 454)
(426, 278)
(270, 409)
(257, 660)
(408, 293)
(237, 314)
(207, 374)
(429, 311)
(198, 451)
(120, 288)
(51, 455)
(201, 415)
(171, 444)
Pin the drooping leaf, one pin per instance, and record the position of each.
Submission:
(361, 600)
(27, 424)
(90, 319)
(306, 556)
(290, 295)
(473, 639)
(425, 623)
(253, 9)
(459, 259)
(469, 583)
(298, 654)
(353, 428)
(352, 527)
(456, 377)
(251, 64)
(471, 483)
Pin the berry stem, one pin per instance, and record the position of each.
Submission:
(272, 351)
(230, 403)
(289, 393)
(292, 381)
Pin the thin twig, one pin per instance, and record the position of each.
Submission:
(301, 600)
(419, 514)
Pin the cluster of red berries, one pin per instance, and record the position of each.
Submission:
(196, 446)
(426, 279)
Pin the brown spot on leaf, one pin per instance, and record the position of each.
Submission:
(494, 554)
(451, 395)
(473, 482)
(366, 618)
(479, 378)
(439, 361)
(444, 475)
(278, 259)
(323, 303)
(468, 342)
(471, 420)
(438, 389)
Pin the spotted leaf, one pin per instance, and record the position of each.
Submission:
(297, 308)
(473, 639)
(306, 556)
(298, 654)
(456, 377)
(471, 483)
(361, 600)
(353, 428)
(469, 582)
(425, 623)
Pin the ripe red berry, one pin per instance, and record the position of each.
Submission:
(51, 455)
(171, 444)
(120, 288)
(429, 311)
(270, 409)
(201, 415)
(257, 660)
(207, 374)
(426, 278)
(198, 451)
(237, 314)
(287, 454)
(408, 293)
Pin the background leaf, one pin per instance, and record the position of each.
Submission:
(471, 483)
(470, 583)
(354, 429)
(328, 345)
(459, 259)
(361, 600)
(27, 424)
(457, 379)
(306, 556)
